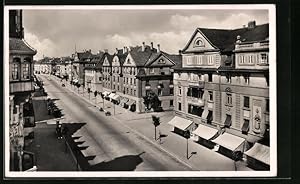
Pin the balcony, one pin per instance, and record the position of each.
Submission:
(195, 100)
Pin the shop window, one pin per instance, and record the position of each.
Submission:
(246, 101)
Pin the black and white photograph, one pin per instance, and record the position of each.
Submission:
(140, 91)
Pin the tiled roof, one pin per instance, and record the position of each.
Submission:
(20, 46)
(225, 39)
(175, 58)
(101, 59)
(141, 57)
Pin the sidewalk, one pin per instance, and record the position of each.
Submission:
(202, 158)
(51, 154)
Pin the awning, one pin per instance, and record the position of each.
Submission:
(205, 132)
(259, 152)
(204, 114)
(228, 121)
(124, 100)
(180, 123)
(245, 127)
(111, 95)
(105, 93)
(130, 102)
(229, 141)
(116, 97)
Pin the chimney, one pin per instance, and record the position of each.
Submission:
(244, 26)
(90, 50)
(116, 50)
(251, 24)
(151, 45)
(238, 39)
(158, 47)
(180, 52)
(143, 47)
(105, 51)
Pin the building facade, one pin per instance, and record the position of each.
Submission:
(224, 82)
(20, 89)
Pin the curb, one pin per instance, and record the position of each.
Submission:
(141, 135)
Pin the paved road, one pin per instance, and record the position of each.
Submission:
(114, 143)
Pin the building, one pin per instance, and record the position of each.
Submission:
(81, 60)
(222, 88)
(135, 71)
(20, 90)
(92, 79)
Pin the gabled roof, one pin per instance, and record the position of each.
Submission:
(225, 39)
(100, 63)
(20, 46)
(155, 56)
(141, 57)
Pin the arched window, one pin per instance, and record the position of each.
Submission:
(15, 69)
(26, 68)
(199, 42)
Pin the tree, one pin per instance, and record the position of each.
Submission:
(156, 123)
(151, 100)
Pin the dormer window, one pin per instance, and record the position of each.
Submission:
(199, 42)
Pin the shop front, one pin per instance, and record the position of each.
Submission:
(181, 125)
(258, 157)
(204, 135)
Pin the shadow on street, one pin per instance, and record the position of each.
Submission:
(123, 163)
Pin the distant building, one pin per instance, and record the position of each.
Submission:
(20, 89)
(223, 85)
(81, 60)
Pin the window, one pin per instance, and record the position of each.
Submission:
(159, 92)
(124, 90)
(228, 78)
(131, 91)
(195, 92)
(114, 87)
(118, 87)
(134, 92)
(161, 61)
(245, 127)
(267, 105)
(209, 77)
(151, 70)
(127, 90)
(130, 80)
(134, 81)
(171, 91)
(195, 110)
(126, 80)
(247, 78)
(179, 106)
(179, 90)
(162, 71)
(25, 69)
(264, 58)
(228, 99)
(246, 101)
(171, 103)
(15, 71)
(118, 79)
(114, 78)
(210, 117)
(210, 93)
(198, 43)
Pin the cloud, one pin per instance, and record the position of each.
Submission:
(228, 21)
(44, 47)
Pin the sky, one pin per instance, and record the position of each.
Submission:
(55, 33)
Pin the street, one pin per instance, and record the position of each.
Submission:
(109, 140)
